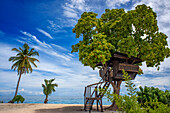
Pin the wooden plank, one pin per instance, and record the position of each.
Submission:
(115, 67)
(95, 84)
(128, 67)
(92, 98)
(120, 56)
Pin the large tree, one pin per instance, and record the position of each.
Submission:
(134, 33)
(22, 61)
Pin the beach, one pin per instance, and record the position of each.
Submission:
(46, 108)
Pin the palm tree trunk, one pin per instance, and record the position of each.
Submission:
(46, 99)
(18, 85)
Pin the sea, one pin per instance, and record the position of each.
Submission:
(53, 99)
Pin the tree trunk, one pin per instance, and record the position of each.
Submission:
(116, 90)
(46, 99)
(16, 87)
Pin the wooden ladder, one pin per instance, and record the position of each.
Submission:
(89, 97)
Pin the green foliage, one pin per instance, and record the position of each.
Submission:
(120, 31)
(18, 99)
(126, 103)
(129, 104)
(48, 87)
(156, 107)
(1, 102)
(23, 59)
(129, 84)
(148, 94)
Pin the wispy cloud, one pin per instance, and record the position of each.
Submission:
(62, 48)
(47, 47)
(55, 27)
(115, 3)
(35, 39)
(45, 33)
(73, 9)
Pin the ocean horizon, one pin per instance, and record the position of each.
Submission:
(52, 99)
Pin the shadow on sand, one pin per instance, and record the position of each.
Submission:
(67, 109)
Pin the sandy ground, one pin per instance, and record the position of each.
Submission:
(46, 108)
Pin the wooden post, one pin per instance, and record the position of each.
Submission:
(96, 97)
(101, 105)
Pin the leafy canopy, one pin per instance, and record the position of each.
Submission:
(24, 59)
(135, 33)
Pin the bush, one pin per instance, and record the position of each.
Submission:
(18, 99)
(156, 107)
(129, 103)
(149, 94)
(1, 102)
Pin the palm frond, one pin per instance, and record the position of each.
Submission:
(48, 88)
(22, 59)
(33, 59)
(46, 82)
(12, 58)
(33, 53)
(21, 49)
(50, 81)
(16, 50)
(43, 86)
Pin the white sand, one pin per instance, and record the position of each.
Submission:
(45, 108)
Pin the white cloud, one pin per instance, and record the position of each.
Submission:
(35, 39)
(70, 14)
(62, 48)
(45, 33)
(55, 27)
(114, 3)
(160, 82)
(73, 9)
(5, 54)
(22, 89)
(2, 91)
(46, 48)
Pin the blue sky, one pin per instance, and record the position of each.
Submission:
(46, 25)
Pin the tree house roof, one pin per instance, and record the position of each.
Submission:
(122, 58)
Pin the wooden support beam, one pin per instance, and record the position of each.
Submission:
(95, 84)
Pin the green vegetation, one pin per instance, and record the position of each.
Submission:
(48, 88)
(18, 99)
(22, 62)
(148, 94)
(1, 102)
(134, 33)
(129, 104)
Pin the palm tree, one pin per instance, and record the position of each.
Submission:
(22, 62)
(48, 88)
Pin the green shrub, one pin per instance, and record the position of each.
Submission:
(18, 99)
(1, 102)
(129, 104)
(156, 107)
(150, 93)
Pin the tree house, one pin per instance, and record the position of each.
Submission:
(112, 74)
(116, 64)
